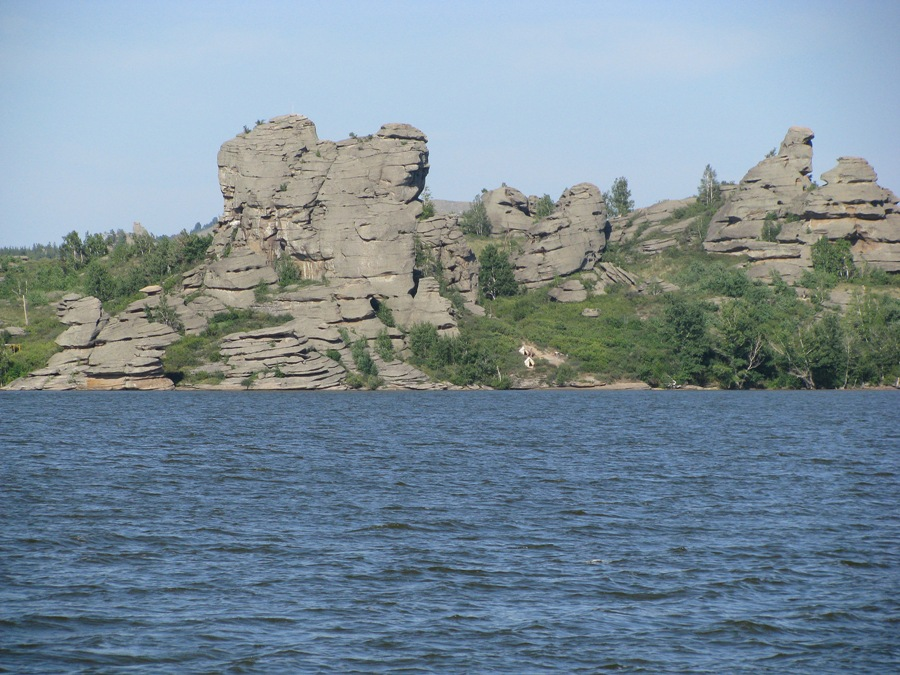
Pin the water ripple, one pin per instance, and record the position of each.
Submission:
(449, 532)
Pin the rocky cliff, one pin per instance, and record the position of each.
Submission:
(777, 212)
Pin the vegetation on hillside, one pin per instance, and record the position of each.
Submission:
(720, 328)
(111, 267)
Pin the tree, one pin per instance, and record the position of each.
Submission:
(543, 207)
(710, 190)
(427, 205)
(99, 282)
(72, 248)
(685, 330)
(618, 199)
(474, 220)
(496, 276)
(833, 257)
(95, 246)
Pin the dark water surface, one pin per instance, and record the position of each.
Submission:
(450, 532)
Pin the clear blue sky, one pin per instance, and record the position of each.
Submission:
(113, 112)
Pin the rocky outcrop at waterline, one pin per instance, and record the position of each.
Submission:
(329, 241)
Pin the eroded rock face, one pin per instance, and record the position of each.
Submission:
(851, 205)
(442, 249)
(343, 210)
(508, 210)
(569, 240)
(777, 183)
(103, 352)
(344, 213)
(776, 213)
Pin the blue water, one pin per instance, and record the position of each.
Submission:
(450, 532)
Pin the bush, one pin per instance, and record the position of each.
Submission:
(544, 207)
(427, 205)
(384, 313)
(164, 313)
(364, 363)
(384, 346)
(771, 228)
(287, 271)
(261, 292)
(833, 257)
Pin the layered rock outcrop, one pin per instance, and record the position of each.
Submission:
(102, 352)
(569, 240)
(343, 210)
(343, 213)
(777, 212)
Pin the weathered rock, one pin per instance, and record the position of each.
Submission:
(569, 240)
(85, 318)
(233, 279)
(443, 250)
(776, 213)
(342, 210)
(278, 358)
(607, 274)
(571, 290)
(851, 205)
(508, 211)
(775, 185)
(100, 352)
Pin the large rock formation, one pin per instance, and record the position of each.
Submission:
(569, 240)
(342, 210)
(100, 352)
(851, 205)
(776, 212)
(344, 213)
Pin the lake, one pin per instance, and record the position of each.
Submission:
(450, 532)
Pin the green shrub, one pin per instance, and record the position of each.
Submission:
(262, 292)
(364, 363)
(384, 313)
(287, 270)
(771, 228)
(384, 346)
(564, 375)
(833, 257)
(427, 205)
(164, 313)
(544, 207)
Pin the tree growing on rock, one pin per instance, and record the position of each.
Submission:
(474, 220)
(833, 257)
(496, 276)
(710, 190)
(618, 199)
